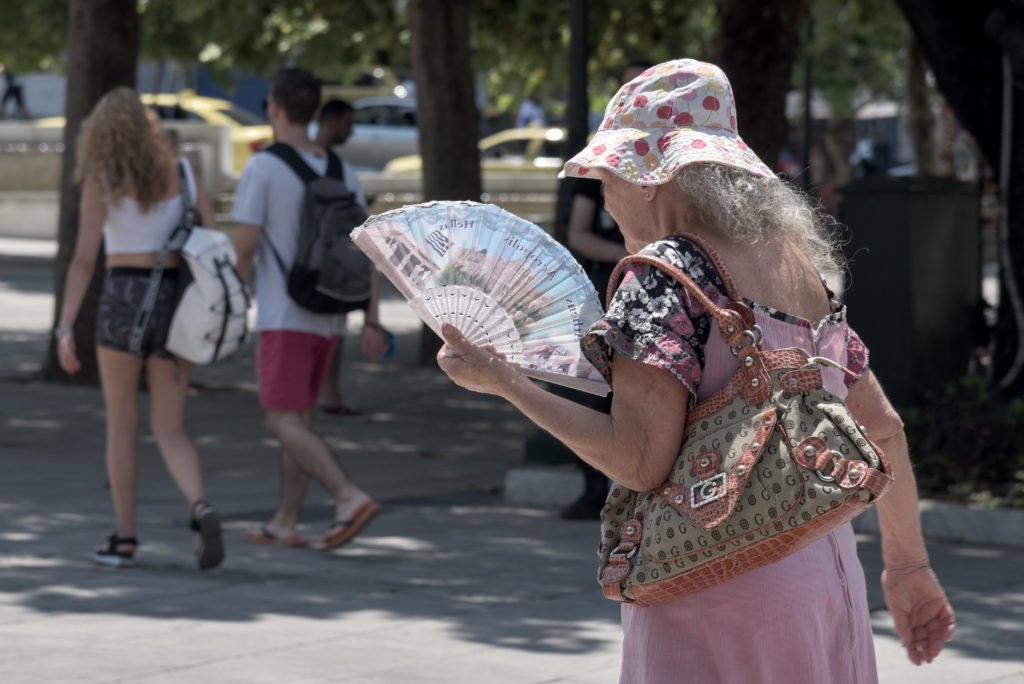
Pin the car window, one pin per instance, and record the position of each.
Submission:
(385, 115)
(553, 148)
(508, 150)
(551, 154)
(243, 116)
(174, 113)
(371, 115)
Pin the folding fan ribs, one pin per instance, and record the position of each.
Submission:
(501, 280)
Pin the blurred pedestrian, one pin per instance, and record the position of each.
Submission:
(672, 162)
(132, 200)
(335, 127)
(595, 238)
(294, 344)
(13, 91)
(530, 112)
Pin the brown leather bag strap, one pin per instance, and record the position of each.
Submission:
(730, 321)
(712, 255)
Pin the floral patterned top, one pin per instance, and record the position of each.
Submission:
(653, 320)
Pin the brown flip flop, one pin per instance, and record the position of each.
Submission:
(264, 536)
(343, 530)
(343, 410)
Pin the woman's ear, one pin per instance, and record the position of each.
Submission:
(650, 192)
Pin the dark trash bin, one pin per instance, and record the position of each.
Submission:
(914, 278)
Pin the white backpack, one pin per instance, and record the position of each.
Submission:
(210, 319)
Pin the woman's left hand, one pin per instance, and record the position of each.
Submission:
(67, 357)
(475, 368)
(924, 619)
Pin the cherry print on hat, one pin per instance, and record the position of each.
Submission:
(676, 113)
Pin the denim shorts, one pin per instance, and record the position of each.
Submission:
(123, 291)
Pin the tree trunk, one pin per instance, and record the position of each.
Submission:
(963, 43)
(920, 120)
(446, 111)
(1006, 27)
(578, 111)
(758, 43)
(103, 47)
(965, 62)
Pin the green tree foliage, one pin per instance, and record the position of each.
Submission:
(522, 48)
(326, 36)
(519, 47)
(857, 49)
(33, 34)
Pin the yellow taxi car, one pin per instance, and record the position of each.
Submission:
(538, 150)
(361, 82)
(249, 132)
(519, 172)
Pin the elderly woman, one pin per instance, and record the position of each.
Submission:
(672, 162)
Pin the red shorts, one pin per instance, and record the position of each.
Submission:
(290, 368)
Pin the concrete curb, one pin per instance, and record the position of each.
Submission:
(959, 523)
(19, 249)
(550, 487)
(554, 487)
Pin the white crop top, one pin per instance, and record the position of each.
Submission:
(128, 230)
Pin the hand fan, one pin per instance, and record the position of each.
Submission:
(499, 279)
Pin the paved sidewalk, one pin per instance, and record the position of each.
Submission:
(450, 583)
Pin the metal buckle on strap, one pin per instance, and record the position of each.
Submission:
(828, 477)
(756, 338)
(629, 554)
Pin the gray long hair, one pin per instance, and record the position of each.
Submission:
(748, 208)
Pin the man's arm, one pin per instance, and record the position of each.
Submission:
(373, 342)
(247, 239)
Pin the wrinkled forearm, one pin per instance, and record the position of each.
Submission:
(592, 435)
(898, 515)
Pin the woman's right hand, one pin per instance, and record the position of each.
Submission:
(66, 355)
(921, 612)
(475, 368)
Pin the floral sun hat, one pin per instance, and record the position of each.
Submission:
(671, 115)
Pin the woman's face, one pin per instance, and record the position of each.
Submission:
(626, 204)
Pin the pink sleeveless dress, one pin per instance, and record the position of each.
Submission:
(802, 619)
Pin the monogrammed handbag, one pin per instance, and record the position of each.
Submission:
(768, 464)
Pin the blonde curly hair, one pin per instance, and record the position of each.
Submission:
(121, 145)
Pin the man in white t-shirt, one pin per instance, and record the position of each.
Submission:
(294, 344)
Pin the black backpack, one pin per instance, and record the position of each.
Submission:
(330, 274)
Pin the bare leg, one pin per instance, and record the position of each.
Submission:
(310, 455)
(119, 376)
(294, 482)
(168, 388)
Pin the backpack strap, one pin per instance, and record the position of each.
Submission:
(174, 241)
(290, 156)
(334, 167)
